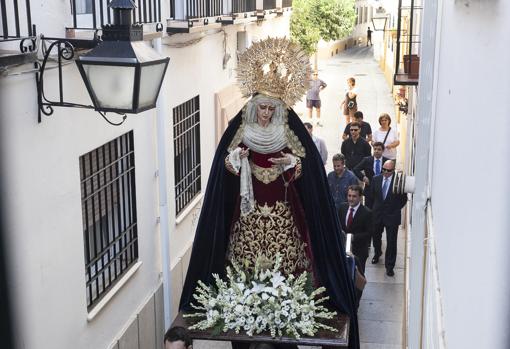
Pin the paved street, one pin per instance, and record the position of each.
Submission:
(381, 309)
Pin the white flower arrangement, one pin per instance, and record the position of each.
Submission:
(265, 301)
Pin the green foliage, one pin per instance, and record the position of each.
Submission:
(313, 20)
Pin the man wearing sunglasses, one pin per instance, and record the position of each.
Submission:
(355, 148)
(386, 212)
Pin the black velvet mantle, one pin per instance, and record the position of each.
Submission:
(212, 235)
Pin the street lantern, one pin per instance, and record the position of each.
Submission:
(380, 19)
(122, 74)
(379, 22)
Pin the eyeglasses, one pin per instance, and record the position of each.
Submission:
(386, 170)
(355, 129)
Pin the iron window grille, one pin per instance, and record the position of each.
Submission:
(108, 198)
(186, 118)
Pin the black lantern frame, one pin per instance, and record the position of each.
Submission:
(121, 45)
(379, 19)
(134, 63)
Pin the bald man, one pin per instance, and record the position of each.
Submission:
(386, 213)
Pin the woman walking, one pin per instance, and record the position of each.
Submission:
(350, 105)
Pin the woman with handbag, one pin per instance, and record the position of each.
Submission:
(388, 136)
(349, 104)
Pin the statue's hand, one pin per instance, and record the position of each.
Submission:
(244, 153)
(284, 160)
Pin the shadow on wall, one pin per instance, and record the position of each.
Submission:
(6, 323)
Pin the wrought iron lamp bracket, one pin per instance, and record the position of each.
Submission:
(28, 44)
(65, 52)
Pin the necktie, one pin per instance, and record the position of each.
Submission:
(377, 167)
(350, 218)
(385, 186)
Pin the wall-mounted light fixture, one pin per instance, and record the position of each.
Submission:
(380, 19)
(121, 73)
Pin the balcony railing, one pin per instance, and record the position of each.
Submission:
(286, 3)
(269, 4)
(16, 20)
(407, 63)
(196, 15)
(17, 33)
(204, 8)
(92, 14)
(240, 6)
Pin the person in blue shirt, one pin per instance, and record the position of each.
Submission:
(340, 179)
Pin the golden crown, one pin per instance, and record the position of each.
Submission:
(275, 67)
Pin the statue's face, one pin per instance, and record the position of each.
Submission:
(265, 111)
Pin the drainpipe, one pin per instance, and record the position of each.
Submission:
(163, 199)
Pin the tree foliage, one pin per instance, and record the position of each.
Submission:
(313, 20)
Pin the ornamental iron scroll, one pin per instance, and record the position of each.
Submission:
(65, 50)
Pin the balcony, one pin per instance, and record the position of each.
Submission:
(17, 33)
(286, 3)
(90, 15)
(188, 16)
(407, 61)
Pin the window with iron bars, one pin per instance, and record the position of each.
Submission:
(82, 7)
(108, 199)
(186, 118)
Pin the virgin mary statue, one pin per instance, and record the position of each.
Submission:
(267, 191)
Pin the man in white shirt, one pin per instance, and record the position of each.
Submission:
(319, 143)
(369, 167)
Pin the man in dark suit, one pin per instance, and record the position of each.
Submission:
(386, 213)
(356, 219)
(369, 167)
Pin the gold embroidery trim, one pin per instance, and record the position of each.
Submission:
(264, 232)
(294, 143)
(266, 174)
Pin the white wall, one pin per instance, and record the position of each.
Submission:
(43, 197)
(469, 172)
